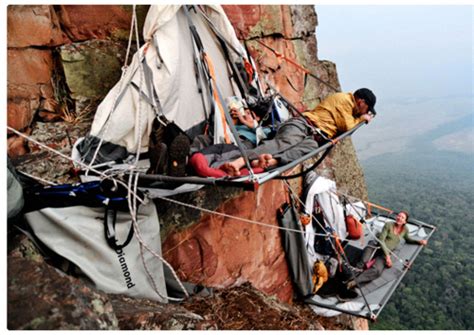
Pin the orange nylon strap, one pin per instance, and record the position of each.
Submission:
(295, 64)
(216, 96)
(248, 69)
(145, 49)
(291, 61)
(379, 207)
(339, 249)
(369, 209)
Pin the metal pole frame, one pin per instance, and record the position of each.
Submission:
(373, 317)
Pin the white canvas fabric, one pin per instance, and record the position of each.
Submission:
(356, 209)
(332, 301)
(77, 234)
(123, 118)
(322, 190)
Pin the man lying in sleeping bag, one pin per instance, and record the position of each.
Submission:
(300, 135)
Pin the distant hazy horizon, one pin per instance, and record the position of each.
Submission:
(418, 61)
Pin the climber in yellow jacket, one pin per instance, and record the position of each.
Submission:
(300, 135)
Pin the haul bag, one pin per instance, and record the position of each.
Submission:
(77, 234)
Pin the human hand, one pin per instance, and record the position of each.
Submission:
(247, 119)
(423, 242)
(388, 261)
(367, 117)
(234, 112)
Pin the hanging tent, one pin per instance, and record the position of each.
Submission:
(168, 77)
(321, 197)
(191, 62)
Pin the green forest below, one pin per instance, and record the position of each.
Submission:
(436, 188)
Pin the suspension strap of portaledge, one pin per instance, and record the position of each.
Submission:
(344, 204)
(268, 113)
(342, 257)
(234, 71)
(228, 118)
(226, 46)
(199, 67)
(155, 101)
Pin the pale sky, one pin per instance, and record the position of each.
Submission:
(418, 60)
(399, 51)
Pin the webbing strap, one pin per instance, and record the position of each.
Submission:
(225, 48)
(232, 128)
(216, 31)
(151, 89)
(215, 95)
(198, 50)
(297, 65)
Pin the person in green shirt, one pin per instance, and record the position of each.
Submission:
(379, 253)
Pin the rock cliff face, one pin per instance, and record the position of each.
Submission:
(62, 60)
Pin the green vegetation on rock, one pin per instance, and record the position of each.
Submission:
(91, 68)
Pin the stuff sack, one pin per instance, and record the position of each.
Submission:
(354, 227)
(77, 234)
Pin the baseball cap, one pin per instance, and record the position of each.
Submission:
(368, 96)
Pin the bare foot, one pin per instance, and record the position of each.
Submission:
(230, 169)
(264, 161)
(233, 168)
(255, 163)
(271, 162)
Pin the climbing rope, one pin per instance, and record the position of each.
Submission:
(205, 210)
(132, 204)
(132, 191)
(44, 181)
(103, 131)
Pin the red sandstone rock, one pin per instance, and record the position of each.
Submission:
(260, 20)
(243, 18)
(29, 66)
(275, 21)
(16, 146)
(29, 75)
(35, 25)
(84, 22)
(223, 252)
(20, 112)
(282, 74)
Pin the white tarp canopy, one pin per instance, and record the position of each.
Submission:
(323, 192)
(124, 118)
